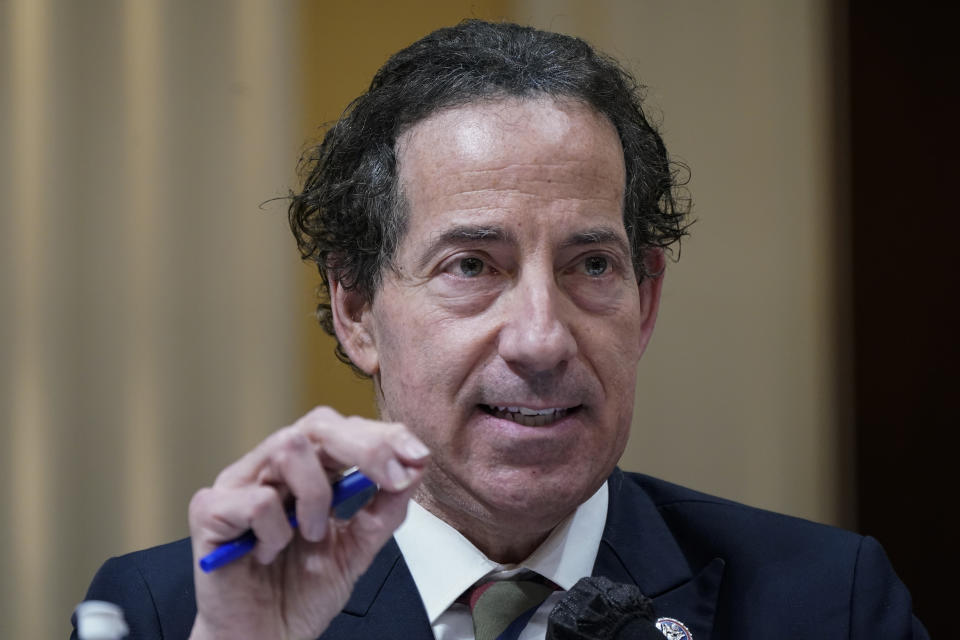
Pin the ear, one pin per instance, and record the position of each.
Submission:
(655, 263)
(352, 322)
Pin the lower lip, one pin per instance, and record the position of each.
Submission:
(515, 429)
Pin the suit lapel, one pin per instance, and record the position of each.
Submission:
(385, 603)
(638, 548)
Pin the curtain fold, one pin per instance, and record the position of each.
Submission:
(149, 304)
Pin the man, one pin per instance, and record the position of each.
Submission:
(490, 221)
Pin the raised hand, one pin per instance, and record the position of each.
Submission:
(295, 581)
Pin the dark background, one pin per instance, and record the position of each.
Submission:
(903, 149)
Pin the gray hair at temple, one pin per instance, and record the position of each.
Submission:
(350, 216)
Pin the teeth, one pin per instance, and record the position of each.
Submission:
(530, 417)
(528, 412)
(535, 412)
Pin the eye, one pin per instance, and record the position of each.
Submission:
(469, 267)
(595, 266)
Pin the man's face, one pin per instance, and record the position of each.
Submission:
(508, 336)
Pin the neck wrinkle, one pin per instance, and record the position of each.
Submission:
(501, 544)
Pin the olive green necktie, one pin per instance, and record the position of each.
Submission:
(502, 608)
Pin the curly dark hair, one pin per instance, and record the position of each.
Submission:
(350, 217)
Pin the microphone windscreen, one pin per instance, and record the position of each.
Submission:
(596, 608)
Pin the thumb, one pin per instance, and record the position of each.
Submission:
(372, 526)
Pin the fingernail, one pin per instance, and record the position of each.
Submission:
(398, 475)
(318, 529)
(413, 448)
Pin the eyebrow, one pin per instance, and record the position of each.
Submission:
(473, 234)
(597, 235)
(465, 234)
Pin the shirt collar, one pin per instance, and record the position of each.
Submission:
(444, 564)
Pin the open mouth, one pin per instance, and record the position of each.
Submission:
(529, 417)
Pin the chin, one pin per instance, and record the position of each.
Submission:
(536, 495)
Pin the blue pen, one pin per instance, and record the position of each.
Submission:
(350, 484)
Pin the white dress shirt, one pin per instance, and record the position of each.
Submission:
(444, 564)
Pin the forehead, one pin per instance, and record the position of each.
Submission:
(521, 155)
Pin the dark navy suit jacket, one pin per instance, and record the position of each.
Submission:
(723, 569)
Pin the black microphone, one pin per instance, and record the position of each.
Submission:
(598, 608)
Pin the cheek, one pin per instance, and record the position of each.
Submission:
(463, 298)
(424, 360)
(615, 344)
(615, 355)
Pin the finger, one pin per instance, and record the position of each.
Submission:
(373, 525)
(348, 441)
(270, 524)
(248, 469)
(386, 452)
(296, 466)
(288, 459)
(220, 515)
(409, 448)
(341, 435)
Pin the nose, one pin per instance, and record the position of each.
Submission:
(535, 337)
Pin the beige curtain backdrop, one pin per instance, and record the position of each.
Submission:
(148, 304)
(154, 323)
